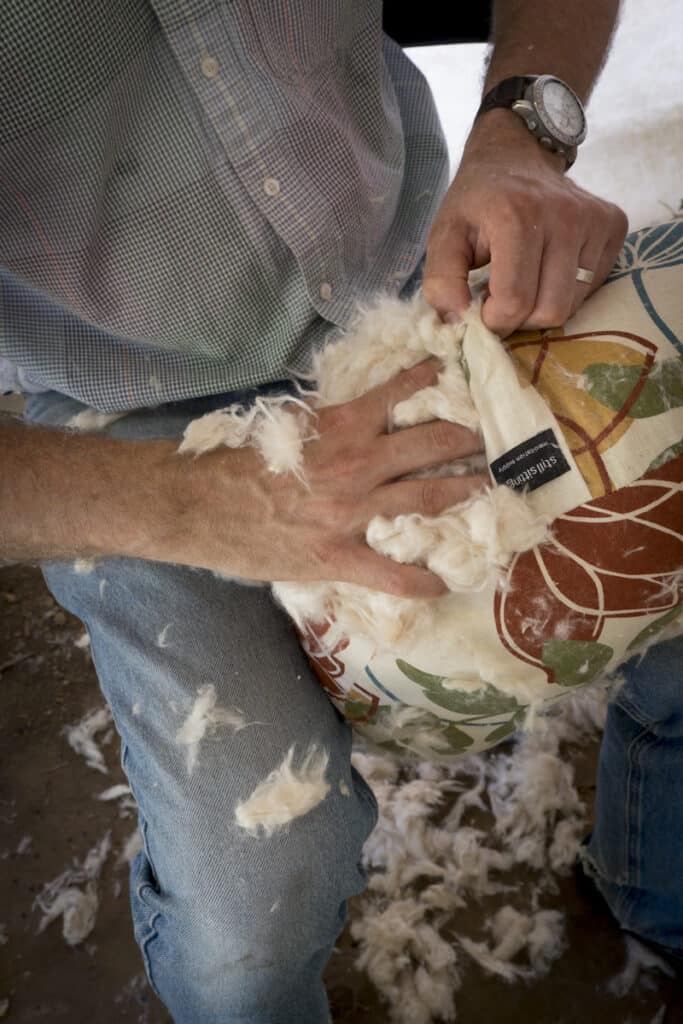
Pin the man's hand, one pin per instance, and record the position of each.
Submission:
(65, 495)
(511, 205)
(255, 524)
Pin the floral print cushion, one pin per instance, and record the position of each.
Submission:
(609, 580)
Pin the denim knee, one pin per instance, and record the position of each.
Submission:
(236, 925)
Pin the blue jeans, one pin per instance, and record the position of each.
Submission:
(635, 851)
(232, 927)
(236, 928)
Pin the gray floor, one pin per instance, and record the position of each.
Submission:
(48, 793)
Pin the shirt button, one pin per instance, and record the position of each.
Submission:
(271, 186)
(325, 291)
(209, 66)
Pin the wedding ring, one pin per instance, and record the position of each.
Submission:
(586, 276)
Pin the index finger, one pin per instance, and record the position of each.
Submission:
(513, 277)
(449, 258)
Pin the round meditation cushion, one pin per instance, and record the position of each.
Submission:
(583, 429)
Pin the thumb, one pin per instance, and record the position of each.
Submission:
(449, 258)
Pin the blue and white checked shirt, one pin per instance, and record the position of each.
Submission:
(193, 192)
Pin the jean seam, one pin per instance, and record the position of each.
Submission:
(153, 934)
(632, 710)
(634, 797)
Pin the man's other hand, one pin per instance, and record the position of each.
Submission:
(510, 205)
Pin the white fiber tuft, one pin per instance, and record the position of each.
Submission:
(425, 866)
(90, 420)
(162, 639)
(130, 848)
(468, 545)
(83, 566)
(287, 793)
(640, 961)
(81, 737)
(276, 426)
(204, 716)
(77, 906)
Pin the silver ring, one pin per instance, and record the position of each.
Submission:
(586, 276)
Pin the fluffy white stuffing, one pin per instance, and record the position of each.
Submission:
(81, 737)
(289, 792)
(63, 897)
(276, 426)
(83, 566)
(639, 962)
(203, 716)
(424, 867)
(90, 420)
(542, 934)
(468, 546)
(130, 848)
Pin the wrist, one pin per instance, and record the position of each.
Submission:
(502, 134)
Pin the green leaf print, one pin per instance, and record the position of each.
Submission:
(501, 732)
(575, 662)
(457, 739)
(487, 700)
(666, 456)
(611, 385)
(655, 627)
(357, 710)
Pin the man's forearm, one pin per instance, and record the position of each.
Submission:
(565, 38)
(65, 495)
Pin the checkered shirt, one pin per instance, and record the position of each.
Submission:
(193, 193)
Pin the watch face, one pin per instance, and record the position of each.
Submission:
(560, 110)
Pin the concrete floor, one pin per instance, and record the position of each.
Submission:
(48, 793)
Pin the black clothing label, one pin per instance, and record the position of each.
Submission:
(531, 464)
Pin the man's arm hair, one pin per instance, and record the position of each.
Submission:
(566, 38)
(66, 495)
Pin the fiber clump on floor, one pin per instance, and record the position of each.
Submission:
(81, 737)
(73, 895)
(426, 867)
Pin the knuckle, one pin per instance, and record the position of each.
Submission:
(432, 288)
(510, 310)
(432, 496)
(443, 436)
(552, 314)
(619, 221)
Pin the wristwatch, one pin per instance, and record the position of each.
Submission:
(551, 110)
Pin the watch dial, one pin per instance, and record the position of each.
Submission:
(562, 109)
